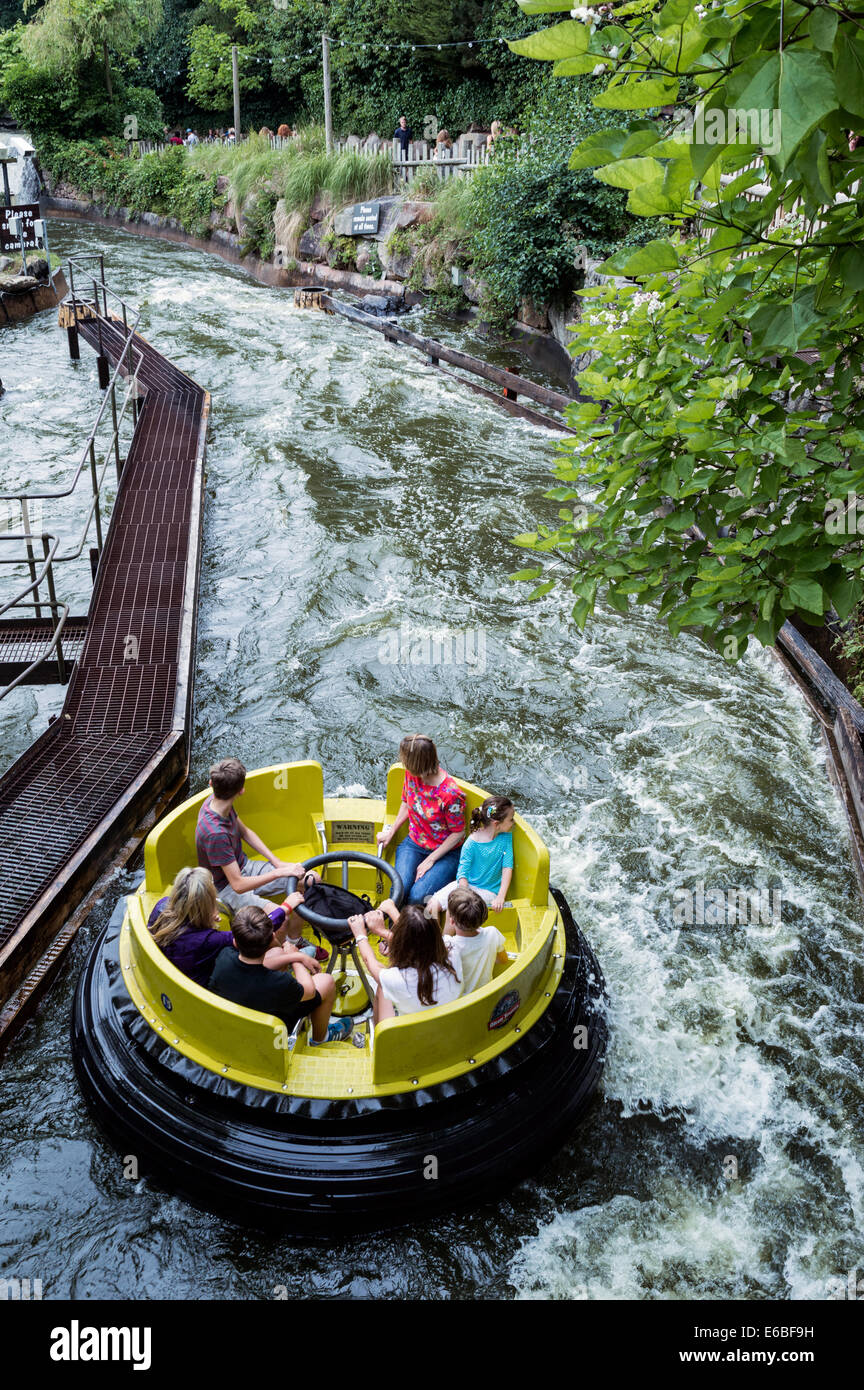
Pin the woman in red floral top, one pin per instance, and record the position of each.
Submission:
(434, 807)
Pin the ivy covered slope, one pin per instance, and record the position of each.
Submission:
(722, 442)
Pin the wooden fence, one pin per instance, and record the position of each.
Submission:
(467, 154)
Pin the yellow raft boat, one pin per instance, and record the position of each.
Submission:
(426, 1111)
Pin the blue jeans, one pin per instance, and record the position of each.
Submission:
(409, 856)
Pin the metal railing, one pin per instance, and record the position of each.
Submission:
(41, 570)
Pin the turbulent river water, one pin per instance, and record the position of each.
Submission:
(357, 504)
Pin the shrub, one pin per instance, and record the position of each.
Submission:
(259, 234)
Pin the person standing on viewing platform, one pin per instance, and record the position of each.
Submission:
(434, 807)
(443, 145)
(404, 134)
(219, 839)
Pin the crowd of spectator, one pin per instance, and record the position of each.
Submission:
(403, 133)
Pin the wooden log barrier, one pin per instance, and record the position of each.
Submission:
(842, 721)
(66, 316)
(307, 299)
(510, 382)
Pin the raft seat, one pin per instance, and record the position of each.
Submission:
(287, 821)
(254, 1048)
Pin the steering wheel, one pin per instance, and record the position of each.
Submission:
(344, 856)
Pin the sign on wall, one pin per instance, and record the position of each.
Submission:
(365, 218)
(29, 215)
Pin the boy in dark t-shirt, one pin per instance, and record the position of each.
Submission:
(243, 978)
(219, 837)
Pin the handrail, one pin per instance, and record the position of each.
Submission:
(43, 652)
(34, 582)
(50, 542)
(67, 492)
(59, 610)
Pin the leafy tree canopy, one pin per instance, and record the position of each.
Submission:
(720, 446)
(66, 33)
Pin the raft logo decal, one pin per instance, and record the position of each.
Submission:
(504, 1010)
(167, 1002)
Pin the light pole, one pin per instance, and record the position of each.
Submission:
(236, 79)
(328, 110)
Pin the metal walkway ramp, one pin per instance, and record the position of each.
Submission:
(22, 642)
(86, 789)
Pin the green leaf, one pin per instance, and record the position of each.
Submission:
(674, 12)
(541, 589)
(522, 575)
(654, 255)
(851, 268)
(823, 28)
(843, 595)
(615, 599)
(753, 86)
(560, 41)
(577, 66)
(806, 94)
(849, 70)
(662, 195)
(581, 612)
(631, 173)
(807, 595)
(599, 148)
(638, 95)
(544, 6)
(782, 327)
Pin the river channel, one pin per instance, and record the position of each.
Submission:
(358, 517)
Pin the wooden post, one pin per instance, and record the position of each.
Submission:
(328, 109)
(236, 79)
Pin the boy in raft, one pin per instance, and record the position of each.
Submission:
(242, 977)
(219, 837)
(473, 949)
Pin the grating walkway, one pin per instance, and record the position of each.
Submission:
(25, 639)
(131, 688)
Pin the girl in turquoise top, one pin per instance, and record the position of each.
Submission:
(486, 861)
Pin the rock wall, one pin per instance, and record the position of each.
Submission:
(312, 249)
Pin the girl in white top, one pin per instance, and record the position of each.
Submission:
(474, 949)
(419, 974)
